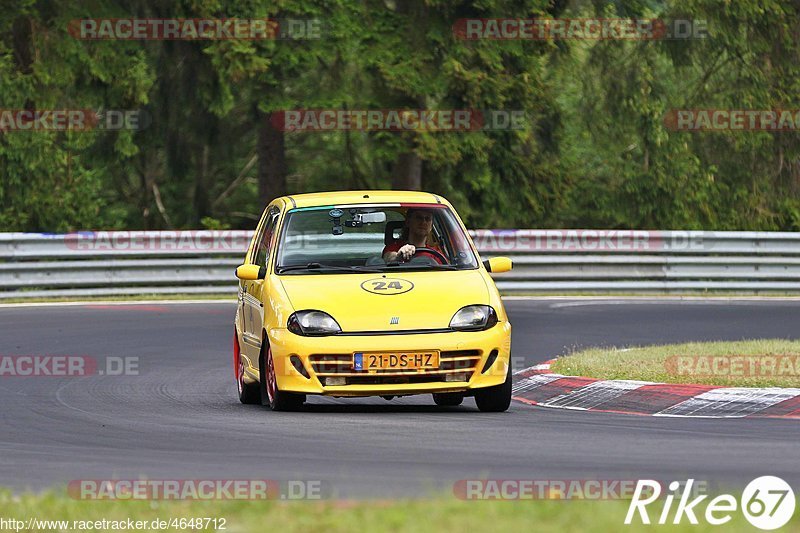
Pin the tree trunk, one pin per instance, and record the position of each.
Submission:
(201, 187)
(407, 173)
(146, 191)
(272, 169)
(21, 32)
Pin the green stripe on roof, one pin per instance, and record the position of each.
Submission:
(314, 208)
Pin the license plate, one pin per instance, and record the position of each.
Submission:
(395, 360)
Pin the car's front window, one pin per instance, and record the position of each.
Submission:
(343, 239)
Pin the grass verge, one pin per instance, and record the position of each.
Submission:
(749, 363)
(440, 514)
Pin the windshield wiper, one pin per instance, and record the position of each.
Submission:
(422, 266)
(319, 267)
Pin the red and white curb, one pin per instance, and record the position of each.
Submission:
(537, 386)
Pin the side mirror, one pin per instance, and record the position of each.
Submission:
(250, 272)
(497, 265)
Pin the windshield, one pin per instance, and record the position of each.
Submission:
(352, 239)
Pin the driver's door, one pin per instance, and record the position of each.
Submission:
(252, 290)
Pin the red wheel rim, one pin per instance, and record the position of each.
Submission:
(236, 355)
(271, 384)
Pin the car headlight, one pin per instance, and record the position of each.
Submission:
(474, 317)
(311, 322)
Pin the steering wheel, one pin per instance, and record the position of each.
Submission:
(430, 251)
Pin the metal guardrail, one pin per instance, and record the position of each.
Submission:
(545, 261)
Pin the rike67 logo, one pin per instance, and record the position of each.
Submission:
(767, 502)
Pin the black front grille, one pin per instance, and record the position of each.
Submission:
(461, 363)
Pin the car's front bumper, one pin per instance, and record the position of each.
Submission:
(463, 357)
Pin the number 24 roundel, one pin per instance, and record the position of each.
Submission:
(388, 286)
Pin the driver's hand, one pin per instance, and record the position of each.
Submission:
(406, 252)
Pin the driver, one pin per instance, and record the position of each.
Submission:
(416, 230)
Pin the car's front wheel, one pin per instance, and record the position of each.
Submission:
(495, 399)
(271, 395)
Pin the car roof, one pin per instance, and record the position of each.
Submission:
(362, 197)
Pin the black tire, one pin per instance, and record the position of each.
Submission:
(448, 399)
(495, 399)
(280, 401)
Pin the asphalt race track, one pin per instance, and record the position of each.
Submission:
(179, 418)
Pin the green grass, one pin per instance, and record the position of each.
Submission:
(669, 363)
(439, 513)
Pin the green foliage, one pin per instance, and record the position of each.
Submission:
(595, 150)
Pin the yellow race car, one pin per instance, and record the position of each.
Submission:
(369, 293)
